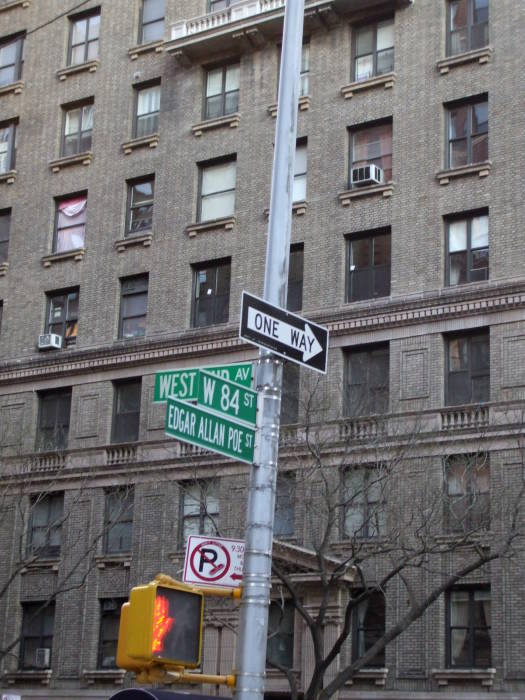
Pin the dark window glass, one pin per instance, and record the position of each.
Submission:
(468, 369)
(290, 394)
(468, 25)
(37, 635)
(222, 91)
(119, 521)
(284, 521)
(53, 419)
(304, 80)
(62, 315)
(299, 177)
(84, 35)
(368, 627)
(372, 145)
(151, 21)
(78, 126)
(7, 147)
(374, 50)
(147, 100)
(70, 224)
(217, 190)
(211, 300)
(279, 648)
(368, 267)
(364, 507)
(468, 133)
(45, 533)
(467, 504)
(468, 249)
(133, 307)
(126, 416)
(469, 628)
(199, 509)
(11, 59)
(5, 225)
(109, 627)
(367, 381)
(294, 301)
(140, 205)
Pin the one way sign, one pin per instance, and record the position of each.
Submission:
(284, 333)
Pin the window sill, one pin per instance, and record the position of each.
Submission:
(42, 676)
(304, 103)
(15, 3)
(444, 676)
(4, 267)
(378, 675)
(481, 169)
(140, 49)
(8, 177)
(298, 208)
(105, 675)
(226, 223)
(478, 539)
(40, 564)
(103, 560)
(84, 158)
(346, 197)
(90, 67)
(231, 120)
(124, 243)
(151, 140)
(15, 88)
(479, 55)
(387, 81)
(75, 255)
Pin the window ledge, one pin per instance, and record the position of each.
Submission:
(480, 55)
(444, 676)
(144, 239)
(298, 208)
(346, 197)
(387, 81)
(75, 255)
(140, 49)
(43, 676)
(231, 120)
(14, 3)
(479, 539)
(151, 140)
(378, 675)
(40, 564)
(4, 267)
(90, 67)
(104, 675)
(482, 169)
(84, 158)
(227, 223)
(8, 177)
(15, 88)
(103, 560)
(304, 103)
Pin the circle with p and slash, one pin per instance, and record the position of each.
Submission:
(210, 561)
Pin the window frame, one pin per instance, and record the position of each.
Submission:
(90, 14)
(211, 265)
(469, 27)
(38, 617)
(469, 103)
(210, 164)
(55, 295)
(297, 175)
(56, 230)
(471, 627)
(371, 237)
(125, 517)
(5, 234)
(290, 393)
(210, 4)
(66, 109)
(372, 512)
(11, 127)
(18, 65)
(102, 639)
(470, 463)
(474, 336)
(135, 382)
(130, 207)
(287, 634)
(143, 290)
(357, 629)
(468, 217)
(354, 55)
(205, 487)
(224, 67)
(295, 284)
(64, 394)
(284, 499)
(143, 24)
(137, 89)
(376, 349)
(359, 128)
(46, 551)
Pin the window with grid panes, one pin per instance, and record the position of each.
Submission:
(133, 307)
(211, 300)
(11, 59)
(151, 21)
(84, 35)
(468, 628)
(45, 527)
(147, 106)
(284, 521)
(374, 50)
(222, 91)
(290, 393)
(53, 419)
(467, 249)
(37, 635)
(467, 504)
(367, 378)
(299, 176)
(200, 509)
(294, 299)
(304, 79)
(468, 378)
(372, 145)
(279, 647)
(5, 225)
(70, 224)
(7, 146)
(126, 412)
(214, 5)
(364, 507)
(468, 133)
(467, 25)
(62, 315)
(109, 628)
(78, 127)
(368, 626)
(140, 205)
(217, 190)
(369, 262)
(118, 525)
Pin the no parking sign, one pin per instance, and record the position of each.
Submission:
(214, 561)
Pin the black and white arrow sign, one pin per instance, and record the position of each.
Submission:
(284, 333)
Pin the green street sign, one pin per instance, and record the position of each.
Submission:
(227, 398)
(182, 383)
(203, 428)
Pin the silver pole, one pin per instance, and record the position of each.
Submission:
(253, 624)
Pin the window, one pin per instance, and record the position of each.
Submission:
(37, 635)
(372, 145)
(468, 138)
(304, 79)
(368, 271)
(211, 299)
(7, 146)
(294, 300)
(109, 627)
(200, 509)
(147, 101)
(83, 42)
(140, 205)
(45, 529)
(118, 522)
(364, 507)
(299, 176)
(290, 394)
(284, 520)
(374, 50)
(11, 59)
(467, 504)
(62, 315)
(53, 419)
(468, 369)
(468, 25)
(133, 307)
(217, 190)
(78, 126)
(5, 225)
(467, 249)
(70, 224)
(151, 21)
(367, 376)
(279, 648)
(468, 628)
(214, 5)
(368, 626)
(222, 91)
(126, 411)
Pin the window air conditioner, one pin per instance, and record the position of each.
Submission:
(49, 341)
(42, 657)
(367, 175)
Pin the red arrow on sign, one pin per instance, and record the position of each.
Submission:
(236, 577)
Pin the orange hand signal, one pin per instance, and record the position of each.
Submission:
(162, 623)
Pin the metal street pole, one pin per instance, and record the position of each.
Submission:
(253, 624)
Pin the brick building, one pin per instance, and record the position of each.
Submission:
(135, 161)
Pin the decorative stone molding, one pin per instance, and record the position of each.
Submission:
(121, 454)
(480, 55)
(464, 417)
(65, 161)
(42, 676)
(481, 169)
(304, 104)
(124, 243)
(386, 81)
(377, 675)
(108, 675)
(103, 560)
(15, 87)
(140, 49)
(75, 255)
(151, 140)
(48, 461)
(347, 196)
(231, 120)
(361, 428)
(4, 267)
(449, 675)
(298, 208)
(89, 67)
(41, 565)
(14, 3)
(8, 177)
(226, 223)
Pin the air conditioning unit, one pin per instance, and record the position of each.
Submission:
(42, 657)
(367, 175)
(49, 341)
